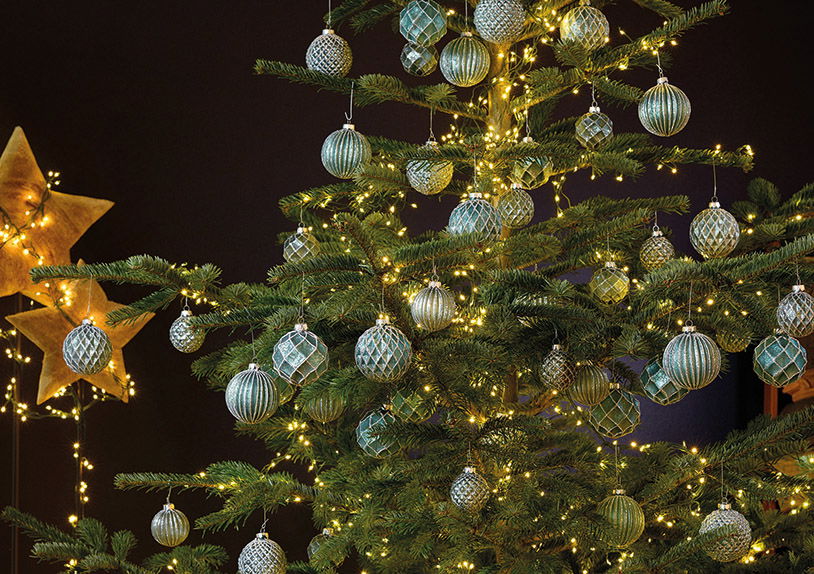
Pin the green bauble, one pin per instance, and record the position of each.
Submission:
(656, 251)
(185, 336)
(657, 385)
(594, 128)
(412, 407)
(591, 385)
(329, 54)
(465, 61)
(586, 26)
(714, 232)
(609, 284)
(516, 208)
(733, 341)
(419, 60)
(345, 152)
(423, 22)
(325, 408)
(531, 172)
(262, 556)
(617, 415)
(664, 110)
(433, 308)
(475, 215)
(691, 360)
(251, 395)
(779, 360)
(317, 541)
(625, 517)
(556, 370)
(300, 356)
(383, 353)
(300, 246)
(469, 491)
(795, 312)
(367, 434)
(429, 176)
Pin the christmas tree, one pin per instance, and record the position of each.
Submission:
(457, 396)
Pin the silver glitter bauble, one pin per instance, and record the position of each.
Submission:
(325, 408)
(795, 312)
(585, 25)
(691, 360)
(469, 491)
(594, 128)
(345, 152)
(429, 176)
(779, 359)
(383, 353)
(184, 336)
(423, 22)
(300, 245)
(591, 385)
(465, 61)
(734, 546)
(664, 110)
(516, 208)
(531, 172)
(368, 434)
(499, 21)
(556, 370)
(329, 54)
(657, 386)
(170, 526)
(412, 407)
(251, 395)
(714, 232)
(87, 349)
(433, 308)
(733, 341)
(316, 541)
(656, 251)
(616, 415)
(419, 60)
(262, 556)
(609, 284)
(475, 215)
(625, 517)
(300, 356)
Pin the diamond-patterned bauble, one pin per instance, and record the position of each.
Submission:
(657, 386)
(423, 22)
(327, 407)
(469, 491)
(465, 61)
(300, 245)
(429, 176)
(345, 152)
(516, 207)
(419, 60)
(733, 341)
(691, 360)
(433, 308)
(367, 434)
(475, 215)
(617, 415)
(590, 386)
(300, 356)
(383, 353)
(170, 526)
(329, 54)
(664, 110)
(531, 172)
(500, 21)
(594, 128)
(734, 546)
(625, 517)
(779, 359)
(87, 349)
(251, 395)
(184, 336)
(262, 556)
(556, 370)
(795, 313)
(316, 541)
(412, 407)
(714, 232)
(585, 25)
(656, 251)
(609, 284)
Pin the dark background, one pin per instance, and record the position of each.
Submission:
(154, 105)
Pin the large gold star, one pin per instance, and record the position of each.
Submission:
(48, 326)
(38, 226)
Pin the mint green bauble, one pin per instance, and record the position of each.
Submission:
(593, 129)
(329, 54)
(516, 208)
(251, 395)
(300, 356)
(475, 215)
(412, 407)
(500, 21)
(531, 172)
(367, 434)
(625, 518)
(345, 152)
(591, 385)
(419, 60)
(657, 386)
(465, 61)
(423, 22)
(795, 312)
(779, 360)
(433, 308)
(300, 245)
(432, 175)
(617, 415)
(609, 284)
(664, 110)
(691, 360)
(383, 353)
(714, 232)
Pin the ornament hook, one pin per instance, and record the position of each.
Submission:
(349, 114)
(329, 14)
(714, 179)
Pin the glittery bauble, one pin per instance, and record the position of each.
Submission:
(779, 359)
(423, 22)
(531, 172)
(594, 128)
(585, 25)
(656, 251)
(664, 110)
(300, 245)
(345, 152)
(317, 541)
(262, 556)
(429, 176)
(475, 215)
(329, 54)
(795, 313)
(368, 437)
(383, 353)
(516, 208)
(609, 284)
(500, 21)
(590, 386)
(714, 232)
(325, 408)
(465, 61)
(625, 517)
(556, 370)
(169, 527)
(433, 308)
(617, 415)
(657, 386)
(412, 407)
(184, 336)
(300, 356)
(691, 360)
(733, 341)
(734, 546)
(419, 60)
(251, 395)
(469, 491)
(87, 349)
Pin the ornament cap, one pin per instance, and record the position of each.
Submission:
(470, 470)
(351, 127)
(724, 506)
(300, 229)
(262, 536)
(657, 233)
(254, 367)
(475, 195)
(556, 347)
(688, 328)
(169, 506)
(779, 331)
(466, 34)
(610, 264)
(514, 186)
(186, 313)
(615, 386)
(618, 491)
(327, 31)
(594, 110)
(528, 140)
(663, 80)
(328, 531)
(714, 204)
(798, 288)
(300, 327)
(382, 321)
(431, 143)
(434, 283)
(87, 322)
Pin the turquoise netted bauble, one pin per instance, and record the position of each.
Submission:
(586, 26)
(779, 359)
(593, 129)
(329, 54)
(465, 61)
(345, 152)
(500, 21)
(300, 356)
(657, 386)
(432, 175)
(609, 284)
(516, 207)
(423, 22)
(795, 312)
(664, 110)
(419, 60)
(412, 407)
(591, 385)
(624, 517)
(475, 215)
(383, 353)
(251, 395)
(714, 232)
(691, 360)
(617, 415)
(433, 308)
(368, 434)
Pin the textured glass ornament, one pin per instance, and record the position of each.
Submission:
(617, 415)
(419, 60)
(500, 21)
(329, 54)
(585, 25)
(779, 359)
(625, 517)
(345, 152)
(732, 547)
(590, 386)
(556, 370)
(423, 22)
(383, 353)
(300, 356)
(609, 284)
(469, 491)
(714, 232)
(531, 172)
(656, 251)
(733, 341)
(475, 215)
(657, 386)
(465, 61)
(534, 300)
(251, 395)
(664, 110)
(795, 312)
(300, 245)
(691, 360)
(325, 408)
(429, 176)
(433, 308)
(87, 349)
(594, 128)
(412, 407)
(262, 556)
(516, 208)
(316, 541)
(367, 434)
(184, 336)
(170, 526)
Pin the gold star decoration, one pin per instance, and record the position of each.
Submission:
(38, 226)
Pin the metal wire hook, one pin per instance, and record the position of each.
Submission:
(349, 115)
